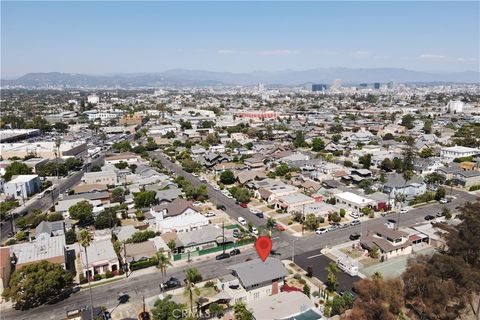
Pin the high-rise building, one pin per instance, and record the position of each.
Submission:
(319, 87)
(376, 85)
(391, 85)
(363, 85)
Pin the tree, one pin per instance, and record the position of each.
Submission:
(37, 283)
(121, 165)
(241, 312)
(227, 177)
(122, 146)
(440, 194)
(144, 199)
(192, 276)
(407, 121)
(215, 310)
(172, 244)
(318, 144)
(388, 136)
(311, 221)
(162, 263)
(82, 211)
(377, 299)
(16, 168)
(85, 238)
(339, 304)
(55, 216)
(106, 219)
(282, 169)
(190, 165)
(141, 236)
(427, 126)
(166, 309)
(365, 161)
(240, 194)
(306, 290)
(73, 163)
(70, 236)
(387, 165)
(299, 141)
(118, 195)
(332, 270)
(348, 163)
(426, 153)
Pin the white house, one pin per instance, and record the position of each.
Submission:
(101, 258)
(22, 186)
(354, 201)
(177, 216)
(450, 153)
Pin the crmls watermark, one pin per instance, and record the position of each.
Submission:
(183, 313)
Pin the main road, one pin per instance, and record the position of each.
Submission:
(143, 284)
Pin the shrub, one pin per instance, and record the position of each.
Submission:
(321, 219)
(290, 222)
(82, 279)
(10, 242)
(109, 274)
(142, 264)
(474, 188)
(97, 277)
(302, 281)
(209, 284)
(297, 276)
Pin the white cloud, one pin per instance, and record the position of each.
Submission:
(432, 56)
(363, 53)
(225, 51)
(278, 52)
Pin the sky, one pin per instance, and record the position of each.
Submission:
(128, 37)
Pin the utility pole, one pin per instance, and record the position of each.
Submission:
(293, 250)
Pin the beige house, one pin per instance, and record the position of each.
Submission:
(391, 243)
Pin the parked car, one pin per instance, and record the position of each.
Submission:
(332, 228)
(216, 188)
(439, 214)
(390, 224)
(280, 227)
(197, 203)
(222, 256)
(244, 205)
(354, 236)
(429, 217)
(255, 231)
(202, 179)
(236, 233)
(242, 221)
(355, 222)
(209, 214)
(260, 215)
(321, 230)
(172, 283)
(275, 253)
(443, 200)
(221, 207)
(195, 174)
(235, 252)
(354, 215)
(403, 210)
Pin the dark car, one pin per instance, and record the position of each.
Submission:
(123, 297)
(275, 253)
(172, 283)
(354, 236)
(235, 252)
(222, 256)
(429, 217)
(260, 215)
(221, 207)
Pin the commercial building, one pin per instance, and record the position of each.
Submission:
(43, 149)
(11, 135)
(101, 177)
(22, 186)
(319, 87)
(450, 153)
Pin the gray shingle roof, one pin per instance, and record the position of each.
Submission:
(255, 271)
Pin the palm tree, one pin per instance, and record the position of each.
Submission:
(162, 263)
(332, 270)
(85, 238)
(191, 276)
(377, 275)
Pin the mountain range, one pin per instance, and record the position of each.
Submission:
(182, 77)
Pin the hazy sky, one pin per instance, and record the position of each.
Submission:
(106, 37)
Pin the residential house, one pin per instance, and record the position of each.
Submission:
(135, 252)
(396, 185)
(101, 258)
(271, 189)
(207, 237)
(254, 280)
(293, 202)
(354, 201)
(179, 215)
(51, 249)
(255, 162)
(391, 243)
(48, 229)
(467, 179)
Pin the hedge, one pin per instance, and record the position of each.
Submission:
(473, 188)
(142, 264)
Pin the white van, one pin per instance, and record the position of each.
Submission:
(242, 221)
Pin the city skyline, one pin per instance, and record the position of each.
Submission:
(123, 37)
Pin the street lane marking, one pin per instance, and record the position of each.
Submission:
(317, 255)
(275, 238)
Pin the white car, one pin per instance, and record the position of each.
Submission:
(443, 200)
(197, 203)
(354, 215)
(242, 221)
(195, 174)
(255, 231)
(403, 210)
(216, 188)
(209, 214)
(321, 230)
(229, 196)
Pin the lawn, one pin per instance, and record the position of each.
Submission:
(204, 293)
(353, 253)
(367, 262)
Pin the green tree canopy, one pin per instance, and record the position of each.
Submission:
(16, 168)
(166, 309)
(144, 199)
(37, 283)
(82, 211)
(318, 144)
(227, 177)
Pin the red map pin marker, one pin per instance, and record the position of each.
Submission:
(263, 246)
